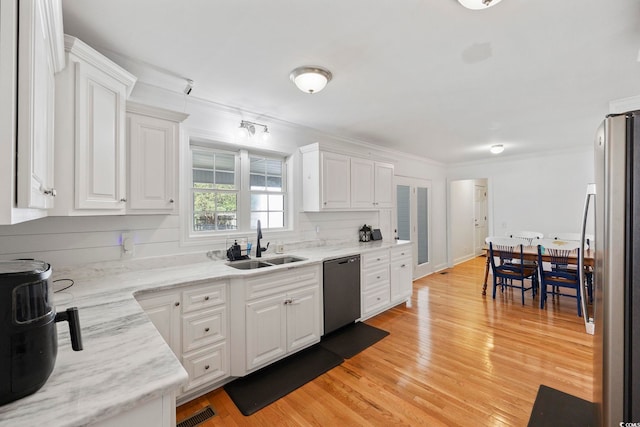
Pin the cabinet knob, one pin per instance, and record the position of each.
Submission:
(377, 277)
(171, 201)
(206, 329)
(176, 304)
(51, 192)
(325, 203)
(206, 298)
(206, 367)
(403, 265)
(124, 199)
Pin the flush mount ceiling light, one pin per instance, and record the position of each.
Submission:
(478, 4)
(497, 148)
(310, 79)
(250, 128)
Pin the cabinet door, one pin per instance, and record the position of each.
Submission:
(164, 313)
(152, 163)
(362, 177)
(401, 282)
(383, 185)
(35, 108)
(100, 155)
(303, 318)
(266, 330)
(336, 188)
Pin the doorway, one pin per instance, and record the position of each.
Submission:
(468, 218)
(413, 220)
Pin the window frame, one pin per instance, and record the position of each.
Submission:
(242, 179)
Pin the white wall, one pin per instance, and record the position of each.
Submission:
(541, 193)
(65, 241)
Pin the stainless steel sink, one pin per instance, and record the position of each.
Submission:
(285, 260)
(253, 264)
(249, 265)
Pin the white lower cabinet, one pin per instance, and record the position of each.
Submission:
(401, 274)
(386, 279)
(274, 315)
(194, 322)
(376, 290)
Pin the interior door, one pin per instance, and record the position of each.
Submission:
(480, 217)
(413, 199)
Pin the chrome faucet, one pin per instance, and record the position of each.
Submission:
(259, 248)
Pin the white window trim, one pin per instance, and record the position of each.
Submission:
(217, 239)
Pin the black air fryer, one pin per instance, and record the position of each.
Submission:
(28, 336)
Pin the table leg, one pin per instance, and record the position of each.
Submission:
(486, 276)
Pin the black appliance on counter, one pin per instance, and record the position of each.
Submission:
(341, 292)
(28, 335)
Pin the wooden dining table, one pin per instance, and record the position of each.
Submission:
(530, 253)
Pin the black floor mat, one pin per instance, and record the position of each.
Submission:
(352, 339)
(261, 388)
(555, 408)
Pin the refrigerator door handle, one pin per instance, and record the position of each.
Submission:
(588, 322)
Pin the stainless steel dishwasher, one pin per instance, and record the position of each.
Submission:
(341, 278)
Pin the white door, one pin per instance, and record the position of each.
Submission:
(480, 217)
(413, 220)
(303, 318)
(336, 179)
(266, 330)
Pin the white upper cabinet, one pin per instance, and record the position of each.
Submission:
(90, 133)
(383, 185)
(153, 137)
(362, 179)
(333, 181)
(29, 59)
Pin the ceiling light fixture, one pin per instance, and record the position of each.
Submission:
(250, 127)
(478, 4)
(497, 148)
(310, 79)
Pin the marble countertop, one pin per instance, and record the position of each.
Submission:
(125, 362)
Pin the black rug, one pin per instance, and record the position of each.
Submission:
(263, 387)
(352, 339)
(555, 408)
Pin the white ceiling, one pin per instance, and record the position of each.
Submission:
(427, 77)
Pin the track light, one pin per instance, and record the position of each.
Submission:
(189, 87)
(250, 128)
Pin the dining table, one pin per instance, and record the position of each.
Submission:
(530, 253)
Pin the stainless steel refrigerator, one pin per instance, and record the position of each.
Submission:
(614, 317)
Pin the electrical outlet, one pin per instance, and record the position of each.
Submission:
(128, 245)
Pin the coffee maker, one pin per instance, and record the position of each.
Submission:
(28, 335)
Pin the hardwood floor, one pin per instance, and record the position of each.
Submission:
(454, 358)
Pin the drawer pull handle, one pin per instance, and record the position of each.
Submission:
(206, 298)
(378, 277)
(206, 367)
(206, 329)
(176, 304)
(403, 265)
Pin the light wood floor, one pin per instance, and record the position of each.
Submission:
(454, 358)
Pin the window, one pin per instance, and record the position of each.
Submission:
(221, 203)
(267, 196)
(215, 194)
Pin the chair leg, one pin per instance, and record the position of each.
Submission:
(522, 289)
(543, 294)
(495, 285)
(578, 298)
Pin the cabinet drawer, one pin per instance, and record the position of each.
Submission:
(374, 259)
(401, 253)
(203, 328)
(205, 296)
(375, 299)
(375, 278)
(206, 366)
(269, 284)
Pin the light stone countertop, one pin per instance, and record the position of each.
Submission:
(125, 362)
